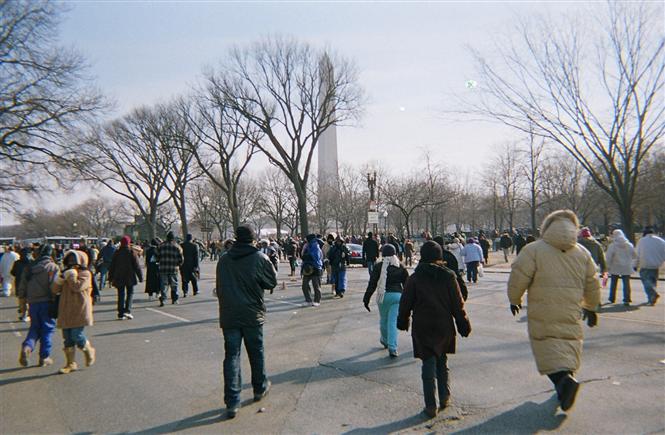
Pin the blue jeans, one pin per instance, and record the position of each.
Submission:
(74, 337)
(435, 377)
(168, 280)
(649, 279)
(103, 272)
(388, 319)
(41, 328)
(370, 266)
(614, 281)
(125, 298)
(233, 338)
(339, 280)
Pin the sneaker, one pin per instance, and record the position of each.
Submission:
(341, 295)
(383, 343)
(232, 412)
(653, 301)
(430, 412)
(128, 316)
(184, 295)
(175, 302)
(24, 355)
(121, 317)
(260, 396)
(161, 302)
(45, 362)
(444, 404)
(393, 353)
(149, 298)
(316, 304)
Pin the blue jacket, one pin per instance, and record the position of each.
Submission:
(472, 252)
(312, 254)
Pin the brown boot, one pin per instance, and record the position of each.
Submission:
(24, 355)
(70, 363)
(89, 352)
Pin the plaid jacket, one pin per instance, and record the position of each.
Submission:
(169, 256)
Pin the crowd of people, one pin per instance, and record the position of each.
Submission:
(57, 288)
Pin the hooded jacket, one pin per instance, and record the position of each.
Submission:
(620, 255)
(36, 280)
(560, 279)
(75, 289)
(243, 274)
(434, 297)
(125, 270)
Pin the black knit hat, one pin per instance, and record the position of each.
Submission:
(647, 230)
(439, 240)
(170, 236)
(245, 234)
(310, 237)
(431, 252)
(388, 250)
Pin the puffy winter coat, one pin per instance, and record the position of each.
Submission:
(472, 252)
(125, 270)
(620, 256)
(75, 289)
(560, 279)
(456, 249)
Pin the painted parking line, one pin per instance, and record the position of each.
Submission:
(282, 302)
(173, 316)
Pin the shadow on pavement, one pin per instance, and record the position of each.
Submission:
(42, 375)
(618, 308)
(204, 419)
(391, 427)
(153, 328)
(528, 418)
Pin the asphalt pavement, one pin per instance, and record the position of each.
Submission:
(161, 371)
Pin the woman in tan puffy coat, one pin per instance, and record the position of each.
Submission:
(560, 278)
(74, 285)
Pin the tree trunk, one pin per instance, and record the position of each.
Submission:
(182, 211)
(626, 212)
(534, 230)
(302, 207)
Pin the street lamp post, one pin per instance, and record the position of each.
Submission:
(371, 185)
(385, 221)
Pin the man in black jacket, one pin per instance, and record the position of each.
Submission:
(242, 276)
(370, 252)
(190, 266)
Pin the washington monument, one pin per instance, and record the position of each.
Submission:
(328, 175)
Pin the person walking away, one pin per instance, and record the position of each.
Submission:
(17, 272)
(650, 257)
(270, 252)
(520, 241)
(169, 258)
(291, 249)
(325, 249)
(74, 285)
(620, 258)
(595, 249)
(35, 288)
(408, 253)
(433, 296)
(370, 252)
(485, 246)
(189, 270)
(388, 281)
(339, 256)
(311, 271)
(560, 279)
(124, 274)
(455, 248)
(242, 276)
(505, 244)
(6, 263)
(473, 257)
(152, 287)
(106, 255)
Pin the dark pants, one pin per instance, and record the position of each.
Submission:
(315, 279)
(614, 281)
(649, 279)
(125, 299)
(293, 263)
(186, 278)
(168, 280)
(472, 271)
(253, 338)
(41, 328)
(409, 260)
(435, 377)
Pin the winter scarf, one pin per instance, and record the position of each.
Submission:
(381, 286)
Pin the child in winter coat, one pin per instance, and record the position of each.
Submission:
(74, 286)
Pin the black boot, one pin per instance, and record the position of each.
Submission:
(567, 388)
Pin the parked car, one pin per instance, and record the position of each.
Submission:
(356, 254)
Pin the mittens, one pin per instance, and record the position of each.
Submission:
(463, 327)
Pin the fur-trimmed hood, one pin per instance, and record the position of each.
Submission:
(81, 257)
(559, 229)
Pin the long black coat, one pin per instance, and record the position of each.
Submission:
(190, 265)
(125, 269)
(434, 297)
(152, 284)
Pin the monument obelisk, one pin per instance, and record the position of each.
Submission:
(328, 174)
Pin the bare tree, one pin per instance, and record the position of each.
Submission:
(405, 195)
(292, 93)
(531, 167)
(595, 88)
(209, 206)
(277, 196)
(44, 95)
(126, 157)
(506, 164)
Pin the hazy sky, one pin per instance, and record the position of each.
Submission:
(409, 55)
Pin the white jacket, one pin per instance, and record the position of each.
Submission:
(620, 256)
(650, 252)
(456, 250)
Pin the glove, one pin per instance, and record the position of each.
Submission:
(590, 317)
(367, 306)
(464, 327)
(515, 309)
(402, 326)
